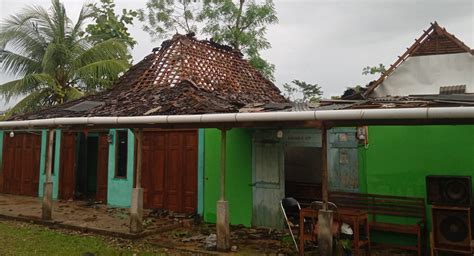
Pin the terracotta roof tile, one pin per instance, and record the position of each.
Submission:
(183, 76)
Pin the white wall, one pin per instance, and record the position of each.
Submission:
(425, 74)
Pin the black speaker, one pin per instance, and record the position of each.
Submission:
(452, 228)
(449, 190)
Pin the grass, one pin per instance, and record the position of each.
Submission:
(26, 239)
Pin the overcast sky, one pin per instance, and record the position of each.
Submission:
(324, 42)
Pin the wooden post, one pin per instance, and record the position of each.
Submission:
(325, 216)
(139, 158)
(136, 209)
(222, 225)
(223, 162)
(324, 166)
(49, 158)
(47, 207)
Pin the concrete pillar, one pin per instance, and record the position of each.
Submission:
(47, 207)
(136, 211)
(222, 225)
(325, 218)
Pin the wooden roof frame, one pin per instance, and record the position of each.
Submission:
(433, 29)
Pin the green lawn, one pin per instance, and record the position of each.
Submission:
(24, 239)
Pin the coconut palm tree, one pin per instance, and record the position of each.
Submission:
(52, 58)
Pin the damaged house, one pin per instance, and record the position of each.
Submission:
(183, 76)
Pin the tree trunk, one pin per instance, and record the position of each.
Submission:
(237, 27)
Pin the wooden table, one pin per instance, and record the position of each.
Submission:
(353, 217)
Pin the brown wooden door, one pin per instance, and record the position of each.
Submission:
(189, 177)
(153, 169)
(67, 166)
(102, 168)
(21, 164)
(169, 170)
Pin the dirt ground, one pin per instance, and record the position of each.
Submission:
(80, 214)
(175, 232)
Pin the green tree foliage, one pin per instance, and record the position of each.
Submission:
(241, 24)
(163, 18)
(373, 70)
(110, 25)
(300, 91)
(54, 63)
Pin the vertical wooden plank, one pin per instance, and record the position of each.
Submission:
(67, 171)
(20, 164)
(268, 185)
(153, 169)
(190, 171)
(174, 172)
(102, 168)
(6, 165)
(324, 166)
(343, 160)
(148, 141)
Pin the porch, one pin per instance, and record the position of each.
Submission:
(87, 216)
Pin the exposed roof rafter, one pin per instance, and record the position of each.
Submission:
(434, 40)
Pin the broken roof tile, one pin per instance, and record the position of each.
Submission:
(183, 76)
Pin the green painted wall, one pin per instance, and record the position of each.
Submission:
(238, 178)
(119, 190)
(57, 156)
(200, 181)
(399, 158)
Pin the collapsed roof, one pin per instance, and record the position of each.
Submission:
(183, 76)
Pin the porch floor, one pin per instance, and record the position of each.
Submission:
(162, 229)
(82, 215)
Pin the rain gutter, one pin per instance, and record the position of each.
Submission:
(321, 115)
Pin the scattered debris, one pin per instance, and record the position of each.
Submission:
(210, 242)
(194, 238)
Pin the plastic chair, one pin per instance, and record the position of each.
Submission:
(291, 211)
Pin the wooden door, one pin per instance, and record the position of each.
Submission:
(31, 161)
(20, 166)
(343, 171)
(153, 169)
(189, 177)
(173, 174)
(67, 166)
(102, 168)
(269, 185)
(169, 170)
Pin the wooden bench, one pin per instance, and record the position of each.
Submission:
(411, 208)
